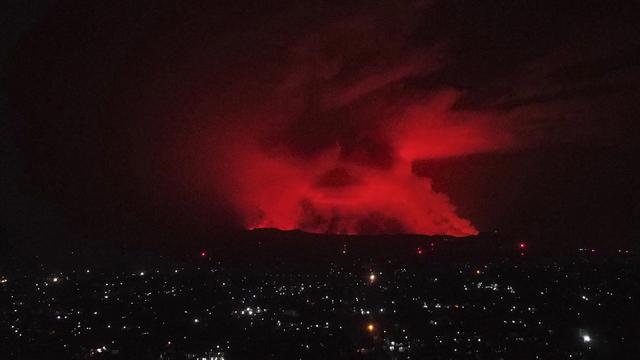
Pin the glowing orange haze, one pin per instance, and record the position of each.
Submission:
(327, 193)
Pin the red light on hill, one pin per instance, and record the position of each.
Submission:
(522, 245)
(203, 253)
(419, 251)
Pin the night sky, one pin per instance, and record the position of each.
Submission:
(147, 120)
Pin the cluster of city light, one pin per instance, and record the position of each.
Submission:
(252, 311)
(373, 299)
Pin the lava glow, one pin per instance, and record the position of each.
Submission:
(335, 193)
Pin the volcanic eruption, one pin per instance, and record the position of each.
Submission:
(322, 136)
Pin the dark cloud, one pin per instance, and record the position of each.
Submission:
(337, 178)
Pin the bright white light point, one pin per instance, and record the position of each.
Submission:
(586, 338)
(196, 321)
(372, 277)
(141, 273)
(55, 279)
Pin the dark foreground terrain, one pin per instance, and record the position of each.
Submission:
(350, 298)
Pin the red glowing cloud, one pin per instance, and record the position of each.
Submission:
(432, 130)
(335, 191)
